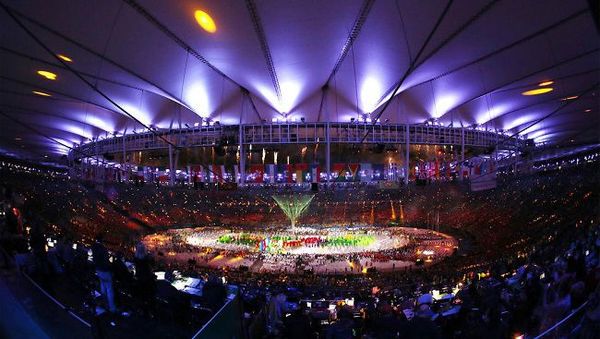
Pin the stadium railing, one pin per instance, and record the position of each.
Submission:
(226, 322)
(565, 326)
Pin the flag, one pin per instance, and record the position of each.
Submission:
(257, 172)
(236, 174)
(222, 173)
(354, 171)
(378, 170)
(339, 172)
(272, 173)
(288, 173)
(301, 170)
(367, 172)
(280, 173)
(315, 173)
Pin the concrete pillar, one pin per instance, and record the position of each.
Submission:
(242, 163)
(462, 151)
(171, 167)
(407, 158)
(328, 152)
(125, 167)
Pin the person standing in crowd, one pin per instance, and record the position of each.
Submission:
(298, 325)
(343, 328)
(37, 241)
(276, 308)
(214, 293)
(146, 279)
(104, 272)
(422, 324)
(7, 225)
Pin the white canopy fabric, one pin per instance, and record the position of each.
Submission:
(462, 62)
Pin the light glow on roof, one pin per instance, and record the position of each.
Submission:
(290, 91)
(370, 92)
(573, 97)
(76, 129)
(443, 104)
(520, 120)
(44, 94)
(205, 21)
(143, 116)
(536, 134)
(538, 91)
(47, 74)
(491, 113)
(546, 83)
(64, 58)
(197, 96)
(103, 124)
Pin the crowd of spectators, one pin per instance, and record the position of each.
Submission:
(529, 252)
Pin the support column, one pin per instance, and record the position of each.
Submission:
(462, 151)
(328, 153)
(407, 158)
(175, 162)
(517, 159)
(462, 144)
(96, 170)
(496, 148)
(125, 167)
(242, 164)
(171, 169)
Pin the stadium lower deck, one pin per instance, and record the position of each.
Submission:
(346, 253)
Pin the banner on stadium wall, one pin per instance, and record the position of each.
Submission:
(366, 172)
(147, 173)
(338, 172)
(162, 175)
(483, 175)
(280, 173)
(212, 173)
(272, 172)
(378, 172)
(392, 173)
(228, 173)
(195, 173)
(301, 171)
(202, 174)
(412, 173)
(447, 170)
(346, 171)
(483, 182)
(217, 173)
(354, 171)
(288, 174)
(315, 173)
(221, 173)
(419, 170)
(257, 172)
(236, 174)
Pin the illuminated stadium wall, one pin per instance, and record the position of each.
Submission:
(294, 153)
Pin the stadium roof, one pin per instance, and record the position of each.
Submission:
(460, 62)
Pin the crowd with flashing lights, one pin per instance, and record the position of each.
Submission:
(529, 252)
